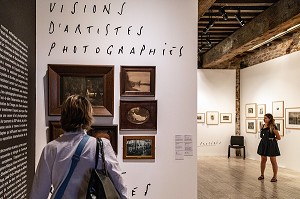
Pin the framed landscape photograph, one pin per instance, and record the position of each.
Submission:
(280, 125)
(138, 115)
(137, 81)
(139, 147)
(251, 126)
(212, 117)
(277, 109)
(200, 117)
(261, 110)
(292, 118)
(260, 123)
(250, 110)
(225, 117)
(108, 132)
(95, 82)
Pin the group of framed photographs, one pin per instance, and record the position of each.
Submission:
(212, 117)
(137, 115)
(96, 83)
(255, 114)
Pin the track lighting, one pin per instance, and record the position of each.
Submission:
(223, 13)
(210, 23)
(208, 26)
(239, 18)
(208, 42)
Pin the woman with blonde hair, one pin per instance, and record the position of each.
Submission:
(268, 146)
(56, 158)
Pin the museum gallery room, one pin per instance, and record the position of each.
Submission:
(195, 99)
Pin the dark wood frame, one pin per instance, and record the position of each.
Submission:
(55, 71)
(112, 131)
(126, 69)
(55, 131)
(126, 106)
(125, 149)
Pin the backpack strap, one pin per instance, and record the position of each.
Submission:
(75, 160)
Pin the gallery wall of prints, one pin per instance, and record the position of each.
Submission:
(216, 100)
(130, 33)
(274, 83)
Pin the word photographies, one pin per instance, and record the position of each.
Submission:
(112, 49)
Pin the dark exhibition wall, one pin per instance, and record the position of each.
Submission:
(17, 97)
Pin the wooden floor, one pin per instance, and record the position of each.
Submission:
(220, 177)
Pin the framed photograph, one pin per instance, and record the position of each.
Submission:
(225, 117)
(251, 126)
(139, 147)
(138, 115)
(292, 118)
(250, 110)
(280, 125)
(108, 132)
(261, 110)
(95, 82)
(260, 123)
(277, 109)
(212, 117)
(200, 117)
(137, 81)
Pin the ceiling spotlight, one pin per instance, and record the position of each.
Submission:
(239, 18)
(223, 13)
(210, 23)
(208, 26)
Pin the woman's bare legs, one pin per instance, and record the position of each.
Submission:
(274, 166)
(262, 166)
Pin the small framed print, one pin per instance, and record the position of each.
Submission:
(292, 118)
(277, 109)
(200, 117)
(138, 147)
(212, 117)
(280, 125)
(225, 117)
(261, 110)
(260, 123)
(138, 115)
(251, 110)
(251, 126)
(137, 81)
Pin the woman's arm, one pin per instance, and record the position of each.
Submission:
(277, 134)
(114, 169)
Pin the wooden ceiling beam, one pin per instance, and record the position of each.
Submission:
(276, 19)
(246, 1)
(203, 6)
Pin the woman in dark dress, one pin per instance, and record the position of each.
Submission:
(268, 146)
